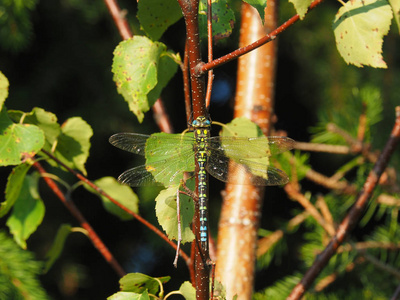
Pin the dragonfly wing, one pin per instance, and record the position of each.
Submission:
(138, 176)
(244, 171)
(250, 147)
(163, 172)
(131, 142)
(157, 145)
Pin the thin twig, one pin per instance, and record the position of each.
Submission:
(353, 216)
(241, 51)
(335, 149)
(265, 243)
(119, 19)
(136, 216)
(97, 242)
(161, 117)
(210, 52)
(294, 194)
(331, 183)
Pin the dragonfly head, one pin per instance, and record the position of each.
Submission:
(201, 122)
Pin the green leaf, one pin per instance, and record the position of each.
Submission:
(46, 121)
(74, 143)
(395, 4)
(223, 19)
(57, 247)
(167, 68)
(121, 193)
(129, 296)
(301, 7)
(28, 211)
(188, 291)
(13, 189)
(260, 6)
(18, 141)
(359, 28)
(139, 283)
(156, 144)
(4, 84)
(155, 16)
(167, 214)
(135, 67)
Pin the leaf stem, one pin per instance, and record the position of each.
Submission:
(136, 216)
(97, 242)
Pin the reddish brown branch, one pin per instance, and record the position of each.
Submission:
(136, 216)
(97, 242)
(351, 219)
(119, 19)
(246, 49)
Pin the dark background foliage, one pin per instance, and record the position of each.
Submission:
(63, 64)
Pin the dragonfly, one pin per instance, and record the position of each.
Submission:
(169, 156)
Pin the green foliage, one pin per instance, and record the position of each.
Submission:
(74, 143)
(359, 28)
(18, 272)
(167, 214)
(275, 252)
(366, 100)
(396, 11)
(223, 19)
(28, 211)
(138, 283)
(187, 290)
(4, 84)
(260, 5)
(13, 189)
(137, 67)
(301, 7)
(156, 16)
(57, 247)
(18, 141)
(15, 24)
(70, 142)
(140, 286)
(122, 194)
(280, 289)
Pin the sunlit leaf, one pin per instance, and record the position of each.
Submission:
(188, 291)
(359, 28)
(135, 66)
(57, 247)
(139, 283)
(155, 16)
(4, 84)
(301, 7)
(167, 214)
(74, 143)
(28, 211)
(45, 120)
(18, 141)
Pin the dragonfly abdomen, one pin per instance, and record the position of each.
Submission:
(201, 150)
